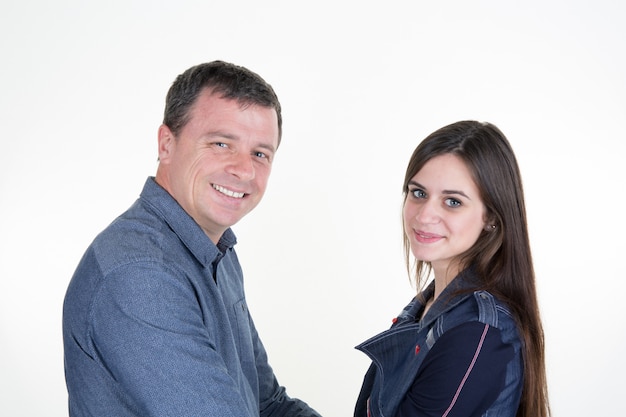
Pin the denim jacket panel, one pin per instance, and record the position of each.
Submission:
(398, 353)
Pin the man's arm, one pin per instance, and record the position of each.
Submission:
(274, 399)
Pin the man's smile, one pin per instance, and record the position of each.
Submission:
(228, 192)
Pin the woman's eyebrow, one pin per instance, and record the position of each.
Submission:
(456, 192)
(447, 192)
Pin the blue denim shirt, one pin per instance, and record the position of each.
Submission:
(398, 353)
(155, 323)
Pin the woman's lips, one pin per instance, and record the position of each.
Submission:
(424, 237)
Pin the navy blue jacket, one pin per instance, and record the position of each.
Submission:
(399, 353)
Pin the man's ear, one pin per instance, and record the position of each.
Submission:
(166, 143)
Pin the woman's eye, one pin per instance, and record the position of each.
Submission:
(452, 202)
(417, 193)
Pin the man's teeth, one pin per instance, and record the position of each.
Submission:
(228, 192)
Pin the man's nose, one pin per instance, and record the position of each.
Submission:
(241, 166)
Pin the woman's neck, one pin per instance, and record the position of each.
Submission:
(444, 274)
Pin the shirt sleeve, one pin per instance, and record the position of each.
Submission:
(461, 376)
(277, 403)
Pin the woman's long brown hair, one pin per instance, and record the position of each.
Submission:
(502, 256)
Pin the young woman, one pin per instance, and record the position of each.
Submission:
(471, 343)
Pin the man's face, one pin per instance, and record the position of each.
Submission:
(217, 167)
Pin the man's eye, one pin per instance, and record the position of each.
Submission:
(260, 155)
(220, 144)
(452, 202)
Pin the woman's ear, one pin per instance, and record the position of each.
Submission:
(490, 223)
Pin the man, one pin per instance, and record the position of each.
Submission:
(155, 321)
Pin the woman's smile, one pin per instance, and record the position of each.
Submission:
(424, 237)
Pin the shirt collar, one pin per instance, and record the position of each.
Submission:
(185, 227)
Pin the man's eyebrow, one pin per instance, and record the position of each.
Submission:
(221, 134)
(268, 147)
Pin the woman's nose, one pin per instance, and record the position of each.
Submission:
(428, 212)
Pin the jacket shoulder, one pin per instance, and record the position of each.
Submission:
(479, 306)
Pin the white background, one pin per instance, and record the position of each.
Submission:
(82, 87)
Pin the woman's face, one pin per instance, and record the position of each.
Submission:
(443, 213)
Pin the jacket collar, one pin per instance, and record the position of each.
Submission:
(457, 291)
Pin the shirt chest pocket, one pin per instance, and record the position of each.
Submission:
(243, 333)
